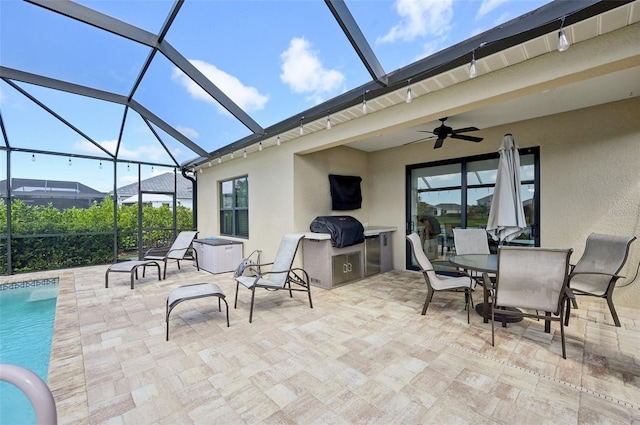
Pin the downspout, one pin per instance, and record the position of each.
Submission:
(194, 185)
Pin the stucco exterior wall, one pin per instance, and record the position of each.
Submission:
(271, 202)
(312, 193)
(589, 170)
(589, 159)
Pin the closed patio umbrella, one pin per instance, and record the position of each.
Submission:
(506, 216)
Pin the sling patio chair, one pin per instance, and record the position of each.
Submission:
(278, 275)
(532, 279)
(181, 249)
(471, 241)
(596, 272)
(439, 283)
(475, 241)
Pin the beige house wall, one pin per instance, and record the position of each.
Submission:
(589, 159)
(271, 201)
(589, 178)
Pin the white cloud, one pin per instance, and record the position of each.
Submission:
(430, 48)
(420, 18)
(188, 132)
(148, 152)
(303, 71)
(487, 6)
(246, 97)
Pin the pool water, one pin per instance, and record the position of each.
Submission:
(27, 312)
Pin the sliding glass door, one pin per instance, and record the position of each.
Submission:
(457, 193)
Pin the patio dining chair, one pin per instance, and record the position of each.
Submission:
(596, 272)
(474, 241)
(180, 249)
(532, 279)
(471, 241)
(278, 275)
(439, 282)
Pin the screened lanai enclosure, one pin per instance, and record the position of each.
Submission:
(99, 98)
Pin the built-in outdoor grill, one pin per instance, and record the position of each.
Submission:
(344, 229)
(339, 250)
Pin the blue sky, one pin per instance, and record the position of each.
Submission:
(273, 58)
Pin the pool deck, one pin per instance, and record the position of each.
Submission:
(362, 355)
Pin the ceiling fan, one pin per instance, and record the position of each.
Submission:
(444, 131)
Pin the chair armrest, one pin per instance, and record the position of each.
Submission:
(617, 276)
(447, 267)
(157, 251)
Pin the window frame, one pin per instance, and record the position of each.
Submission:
(465, 186)
(235, 209)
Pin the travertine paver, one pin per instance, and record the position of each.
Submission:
(362, 355)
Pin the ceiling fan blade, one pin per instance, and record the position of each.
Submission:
(439, 142)
(464, 130)
(418, 141)
(425, 131)
(467, 138)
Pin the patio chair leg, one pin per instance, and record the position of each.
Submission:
(492, 329)
(468, 303)
(195, 258)
(613, 311)
(167, 319)
(564, 351)
(227, 306)
(427, 301)
(235, 304)
(253, 295)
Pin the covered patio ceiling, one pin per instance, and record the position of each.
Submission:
(162, 47)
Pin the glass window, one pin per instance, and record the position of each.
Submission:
(458, 193)
(234, 207)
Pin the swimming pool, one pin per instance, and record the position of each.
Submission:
(27, 312)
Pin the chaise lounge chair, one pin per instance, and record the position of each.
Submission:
(181, 249)
(280, 274)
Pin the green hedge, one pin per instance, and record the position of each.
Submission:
(87, 234)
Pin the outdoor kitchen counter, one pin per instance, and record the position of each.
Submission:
(330, 266)
(368, 231)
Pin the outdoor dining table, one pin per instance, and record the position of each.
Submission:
(483, 263)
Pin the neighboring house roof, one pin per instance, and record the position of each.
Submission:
(49, 188)
(485, 200)
(149, 198)
(448, 206)
(160, 183)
